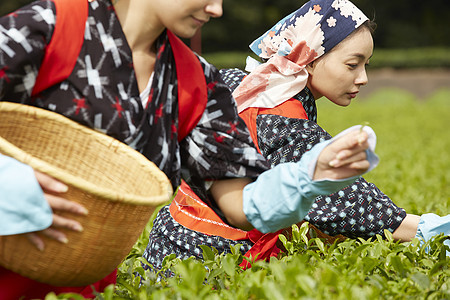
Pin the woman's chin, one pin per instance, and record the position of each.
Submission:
(342, 102)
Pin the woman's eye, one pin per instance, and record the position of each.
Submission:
(352, 66)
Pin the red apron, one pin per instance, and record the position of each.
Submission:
(14, 286)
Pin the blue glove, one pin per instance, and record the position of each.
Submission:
(283, 195)
(431, 225)
(23, 207)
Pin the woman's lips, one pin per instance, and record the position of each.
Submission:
(198, 21)
(353, 95)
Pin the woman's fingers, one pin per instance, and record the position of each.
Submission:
(353, 169)
(345, 157)
(52, 188)
(61, 204)
(349, 149)
(354, 141)
(51, 232)
(35, 240)
(56, 235)
(360, 166)
(61, 222)
(50, 184)
(348, 159)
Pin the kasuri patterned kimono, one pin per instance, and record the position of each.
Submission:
(101, 92)
(281, 114)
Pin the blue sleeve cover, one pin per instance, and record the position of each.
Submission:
(283, 195)
(23, 207)
(431, 225)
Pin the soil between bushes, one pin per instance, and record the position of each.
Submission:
(420, 82)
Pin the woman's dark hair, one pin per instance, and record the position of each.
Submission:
(371, 25)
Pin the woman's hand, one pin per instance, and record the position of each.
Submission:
(52, 189)
(343, 158)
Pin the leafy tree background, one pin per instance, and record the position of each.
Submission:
(401, 23)
(7, 6)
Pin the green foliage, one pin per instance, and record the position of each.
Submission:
(401, 23)
(400, 58)
(413, 143)
(361, 269)
(411, 58)
(7, 6)
(225, 60)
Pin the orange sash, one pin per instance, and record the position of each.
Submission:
(191, 212)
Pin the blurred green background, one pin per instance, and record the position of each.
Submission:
(411, 34)
(401, 23)
(420, 27)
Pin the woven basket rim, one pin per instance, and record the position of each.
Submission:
(11, 150)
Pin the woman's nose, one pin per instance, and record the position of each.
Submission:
(362, 79)
(214, 8)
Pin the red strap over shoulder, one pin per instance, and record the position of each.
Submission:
(249, 116)
(291, 109)
(62, 52)
(192, 90)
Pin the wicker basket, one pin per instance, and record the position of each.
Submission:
(118, 185)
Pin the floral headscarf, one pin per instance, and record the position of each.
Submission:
(289, 46)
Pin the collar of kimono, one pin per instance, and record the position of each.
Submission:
(289, 46)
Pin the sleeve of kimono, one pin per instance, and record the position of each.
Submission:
(220, 145)
(23, 207)
(23, 37)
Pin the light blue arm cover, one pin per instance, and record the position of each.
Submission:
(431, 225)
(23, 207)
(283, 195)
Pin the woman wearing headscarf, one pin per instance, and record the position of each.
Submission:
(189, 222)
(123, 71)
(319, 50)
